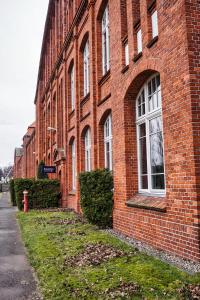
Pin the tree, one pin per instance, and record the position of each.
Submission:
(40, 173)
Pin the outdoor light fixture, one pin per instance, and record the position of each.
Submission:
(51, 129)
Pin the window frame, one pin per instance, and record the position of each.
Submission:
(105, 32)
(88, 147)
(72, 88)
(108, 140)
(154, 23)
(73, 157)
(145, 119)
(86, 69)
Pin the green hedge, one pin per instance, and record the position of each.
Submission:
(12, 192)
(42, 193)
(97, 197)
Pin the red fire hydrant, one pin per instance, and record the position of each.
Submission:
(25, 201)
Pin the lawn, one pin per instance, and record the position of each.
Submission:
(75, 260)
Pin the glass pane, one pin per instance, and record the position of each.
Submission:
(144, 182)
(143, 156)
(139, 100)
(142, 130)
(154, 20)
(150, 103)
(149, 88)
(153, 85)
(156, 146)
(158, 182)
(139, 111)
(143, 109)
(159, 98)
(155, 125)
(158, 82)
(107, 155)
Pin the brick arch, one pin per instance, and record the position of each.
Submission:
(87, 127)
(130, 130)
(101, 9)
(84, 41)
(101, 136)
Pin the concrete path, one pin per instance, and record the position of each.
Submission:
(16, 277)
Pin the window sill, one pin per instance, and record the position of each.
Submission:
(137, 57)
(154, 203)
(85, 99)
(136, 24)
(71, 113)
(104, 78)
(125, 69)
(152, 42)
(72, 193)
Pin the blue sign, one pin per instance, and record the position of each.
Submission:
(48, 169)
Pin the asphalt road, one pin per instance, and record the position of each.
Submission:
(16, 276)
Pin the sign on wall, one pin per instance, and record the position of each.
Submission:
(48, 169)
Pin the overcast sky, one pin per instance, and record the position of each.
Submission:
(21, 31)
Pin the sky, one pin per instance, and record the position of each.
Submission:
(21, 30)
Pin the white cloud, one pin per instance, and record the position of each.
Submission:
(21, 31)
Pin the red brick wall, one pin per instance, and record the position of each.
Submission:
(175, 55)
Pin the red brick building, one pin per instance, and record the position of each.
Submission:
(24, 157)
(118, 87)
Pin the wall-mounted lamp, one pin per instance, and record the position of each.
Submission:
(51, 129)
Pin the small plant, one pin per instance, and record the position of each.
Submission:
(12, 192)
(40, 173)
(97, 197)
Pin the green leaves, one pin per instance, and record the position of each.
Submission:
(42, 193)
(97, 197)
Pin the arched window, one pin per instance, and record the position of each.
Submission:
(150, 137)
(108, 142)
(105, 41)
(73, 153)
(72, 88)
(88, 151)
(86, 71)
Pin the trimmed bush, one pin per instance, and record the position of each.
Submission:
(40, 173)
(41, 193)
(12, 192)
(97, 197)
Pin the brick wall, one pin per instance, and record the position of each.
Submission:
(171, 222)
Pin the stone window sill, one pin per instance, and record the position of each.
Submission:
(125, 69)
(72, 193)
(148, 202)
(71, 113)
(152, 42)
(104, 78)
(137, 57)
(85, 99)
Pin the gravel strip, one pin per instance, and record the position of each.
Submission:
(183, 264)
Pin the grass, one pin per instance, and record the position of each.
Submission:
(50, 244)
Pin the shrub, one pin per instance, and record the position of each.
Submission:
(96, 189)
(41, 193)
(40, 173)
(12, 192)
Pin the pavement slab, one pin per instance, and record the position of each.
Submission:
(17, 280)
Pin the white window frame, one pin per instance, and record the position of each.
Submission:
(88, 151)
(108, 140)
(145, 119)
(105, 41)
(126, 50)
(139, 41)
(86, 69)
(154, 22)
(72, 87)
(73, 153)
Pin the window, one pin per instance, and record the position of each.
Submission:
(105, 41)
(86, 67)
(72, 88)
(150, 138)
(88, 151)
(108, 142)
(73, 149)
(126, 54)
(139, 41)
(154, 22)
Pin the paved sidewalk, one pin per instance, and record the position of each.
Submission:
(16, 276)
